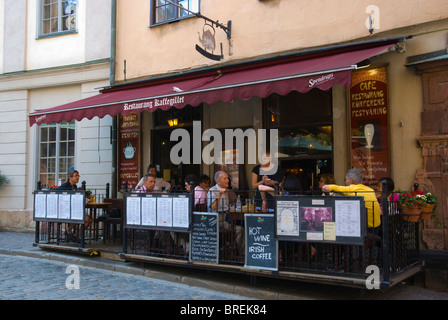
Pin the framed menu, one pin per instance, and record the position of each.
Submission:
(159, 211)
(339, 220)
(59, 206)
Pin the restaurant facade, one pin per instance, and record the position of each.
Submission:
(324, 91)
(346, 85)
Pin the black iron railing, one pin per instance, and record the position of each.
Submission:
(393, 246)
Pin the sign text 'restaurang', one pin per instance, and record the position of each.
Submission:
(154, 103)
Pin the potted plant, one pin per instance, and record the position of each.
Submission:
(412, 204)
(3, 179)
(90, 196)
(431, 204)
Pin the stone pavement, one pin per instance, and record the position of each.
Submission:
(25, 278)
(42, 274)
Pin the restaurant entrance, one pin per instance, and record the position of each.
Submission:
(305, 128)
(307, 171)
(164, 124)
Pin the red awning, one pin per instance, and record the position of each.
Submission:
(304, 74)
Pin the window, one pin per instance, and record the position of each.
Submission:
(56, 152)
(305, 133)
(162, 11)
(304, 122)
(58, 16)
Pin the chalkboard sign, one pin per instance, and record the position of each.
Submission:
(261, 246)
(204, 237)
(336, 219)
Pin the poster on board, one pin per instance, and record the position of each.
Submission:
(338, 219)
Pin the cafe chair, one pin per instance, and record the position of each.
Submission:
(112, 218)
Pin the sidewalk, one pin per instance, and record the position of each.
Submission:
(21, 244)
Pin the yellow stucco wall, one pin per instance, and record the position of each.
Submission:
(259, 28)
(270, 27)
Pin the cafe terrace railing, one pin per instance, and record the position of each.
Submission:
(301, 236)
(309, 237)
(55, 210)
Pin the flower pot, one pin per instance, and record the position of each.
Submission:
(427, 211)
(411, 214)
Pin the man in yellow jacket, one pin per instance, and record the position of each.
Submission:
(354, 187)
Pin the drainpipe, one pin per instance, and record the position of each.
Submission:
(113, 34)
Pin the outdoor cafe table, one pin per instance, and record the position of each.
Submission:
(93, 210)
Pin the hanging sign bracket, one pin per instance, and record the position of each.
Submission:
(227, 29)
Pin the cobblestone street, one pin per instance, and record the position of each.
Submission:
(26, 278)
(30, 273)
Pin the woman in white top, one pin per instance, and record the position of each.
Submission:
(160, 183)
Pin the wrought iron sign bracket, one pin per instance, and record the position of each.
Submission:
(227, 29)
(208, 35)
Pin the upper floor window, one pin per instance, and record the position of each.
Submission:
(57, 16)
(163, 11)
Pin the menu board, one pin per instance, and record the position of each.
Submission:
(288, 218)
(348, 218)
(165, 212)
(77, 206)
(180, 218)
(64, 206)
(149, 211)
(204, 237)
(59, 206)
(261, 246)
(159, 211)
(40, 205)
(334, 219)
(133, 207)
(129, 150)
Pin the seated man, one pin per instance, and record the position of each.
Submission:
(149, 181)
(70, 184)
(354, 187)
(218, 200)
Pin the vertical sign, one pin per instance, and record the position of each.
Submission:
(369, 124)
(129, 150)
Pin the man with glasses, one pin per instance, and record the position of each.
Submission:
(219, 200)
(73, 179)
(70, 184)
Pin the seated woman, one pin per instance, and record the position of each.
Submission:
(326, 178)
(392, 198)
(390, 186)
(200, 193)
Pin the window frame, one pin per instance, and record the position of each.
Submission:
(59, 173)
(153, 12)
(61, 18)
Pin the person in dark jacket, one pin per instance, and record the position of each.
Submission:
(72, 179)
